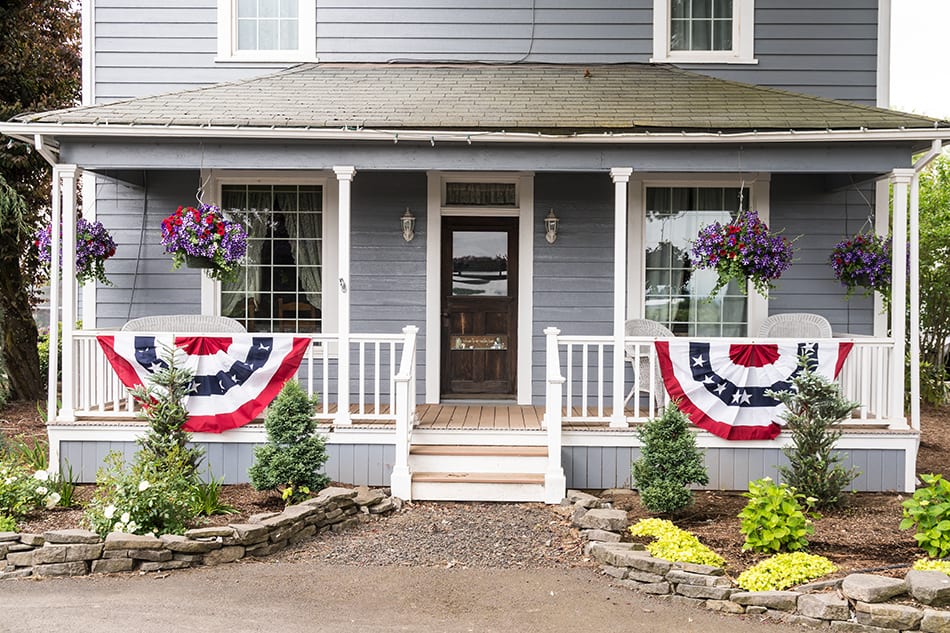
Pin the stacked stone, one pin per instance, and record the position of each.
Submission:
(858, 603)
(79, 552)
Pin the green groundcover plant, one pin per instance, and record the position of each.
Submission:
(674, 544)
(928, 511)
(784, 570)
(774, 520)
(928, 564)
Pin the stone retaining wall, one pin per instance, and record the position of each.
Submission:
(858, 603)
(79, 552)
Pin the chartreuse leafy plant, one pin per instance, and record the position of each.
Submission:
(927, 564)
(814, 411)
(929, 512)
(669, 463)
(784, 570)
(675, 545)
(294, 454)
(773, 520)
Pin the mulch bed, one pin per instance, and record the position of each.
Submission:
(863, 535)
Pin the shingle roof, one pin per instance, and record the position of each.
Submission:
(559, 99)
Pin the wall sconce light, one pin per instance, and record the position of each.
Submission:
(550, 227)
(408, 223)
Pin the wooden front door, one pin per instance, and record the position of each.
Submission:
(479, 306)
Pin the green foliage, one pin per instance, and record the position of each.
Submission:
(149, 496)
(43, 349)
(162, 403)
(773, 520)
(927, 564)
(7, 523)
(934, 278)
(929, 512)
(33, 453)
(207, 499)
(23, 490)
(784, 570)
(814, 411)
(668, 464)
(65, 485)
(294, 453)
(675, 545)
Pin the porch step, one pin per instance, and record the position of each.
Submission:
(449, 486)
(468, 458)
(473, 450)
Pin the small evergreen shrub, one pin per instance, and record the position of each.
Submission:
(669, 462)
(784, 570)
(294, 453)
(929, 512)
(814, 412)
(675, 545)
(773, 520)
(927, 564)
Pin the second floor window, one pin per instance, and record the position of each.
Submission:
(701, 25)
(267, 25)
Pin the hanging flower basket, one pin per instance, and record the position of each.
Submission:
(94, 246)
(864, 261)
(744, 250)
(201, 237)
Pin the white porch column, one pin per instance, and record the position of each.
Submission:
(54, 302)
(344, 176)
(69, 175)
(901, 179)
(620, 176)
(914, 280)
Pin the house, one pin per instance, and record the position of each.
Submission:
(463, 206)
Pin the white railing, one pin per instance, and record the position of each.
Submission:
(585, 363)
(401, 479)
(97, 392)
(555, 482)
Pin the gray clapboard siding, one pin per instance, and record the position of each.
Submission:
(357, 464)
(596, 467)
(826, 47)
(801, 205)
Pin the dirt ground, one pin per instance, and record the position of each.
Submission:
(311, 596)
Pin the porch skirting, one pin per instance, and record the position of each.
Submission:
(592, 458)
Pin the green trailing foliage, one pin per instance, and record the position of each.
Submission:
(294, 454)
(928, 564)
(669, 462)
(928, 511)
(674, 544)
(814, 412)
(773, 520)
(785, 570)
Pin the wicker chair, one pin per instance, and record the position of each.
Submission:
(640, 363)
(800, 325)
(200, 323)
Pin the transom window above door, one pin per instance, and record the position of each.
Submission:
(280, 287)
(703, 31)
(674, 294)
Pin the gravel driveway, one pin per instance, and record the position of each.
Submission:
(432, 567)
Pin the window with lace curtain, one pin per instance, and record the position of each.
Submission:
(279, 288)
(676, 295)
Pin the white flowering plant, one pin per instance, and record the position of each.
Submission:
(149, 496)
(23, 490)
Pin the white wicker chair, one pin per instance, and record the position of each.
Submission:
(201, 323)
(800, 325)
(638, 361)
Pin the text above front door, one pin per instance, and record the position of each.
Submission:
(479, 306)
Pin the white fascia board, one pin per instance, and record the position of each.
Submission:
(152, 132)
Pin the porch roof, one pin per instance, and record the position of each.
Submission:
(554, 99)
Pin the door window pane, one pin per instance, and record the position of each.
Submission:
(480, 263)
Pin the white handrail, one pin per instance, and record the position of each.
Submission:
(401, 479)
(555, 483)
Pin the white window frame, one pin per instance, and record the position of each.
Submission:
(306, 36)
(214, 179)
(743, 37)
(524, 211)
(759, 190)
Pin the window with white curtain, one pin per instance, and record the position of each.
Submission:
(676, 295)
(267, 25)
(280, 287)
(704, 31)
